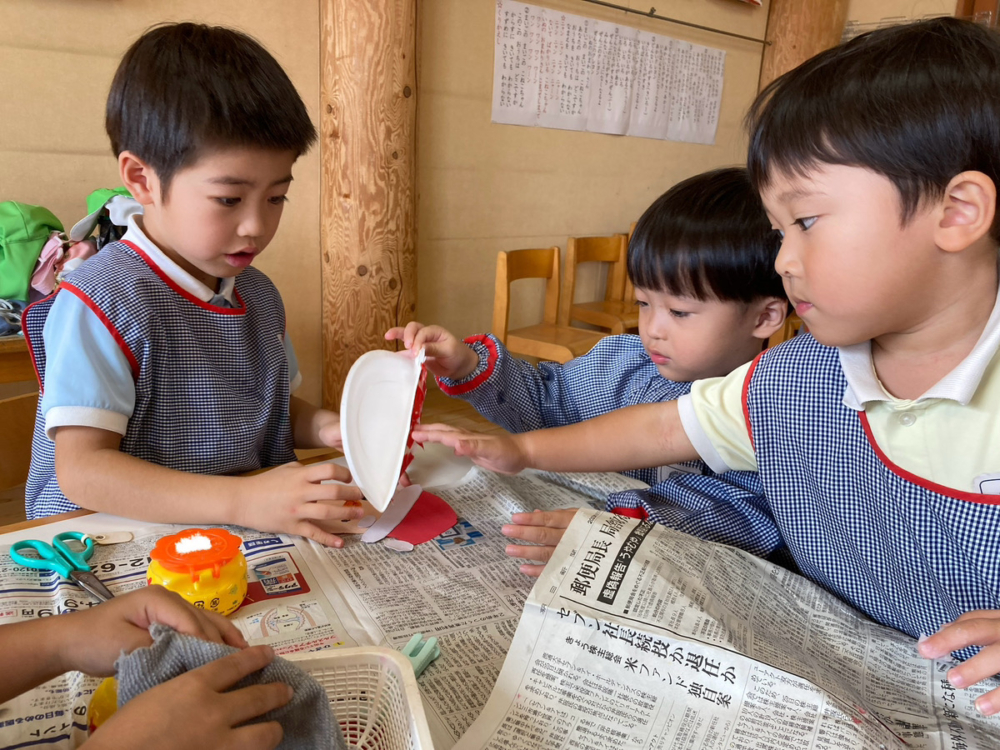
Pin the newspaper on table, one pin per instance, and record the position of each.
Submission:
(303, 597)
(637, 636)
(765, 658)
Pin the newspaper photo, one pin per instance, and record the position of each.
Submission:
(637, 636)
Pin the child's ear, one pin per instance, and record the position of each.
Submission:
(138, 177)
(966, 212)
(771, 313)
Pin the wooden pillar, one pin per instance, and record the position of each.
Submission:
(969, 8)
(797, 30)
(368, 194)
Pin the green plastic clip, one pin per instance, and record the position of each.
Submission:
(421, 652)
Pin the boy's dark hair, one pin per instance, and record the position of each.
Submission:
(708, 238)
(917, 104)
(185, 88)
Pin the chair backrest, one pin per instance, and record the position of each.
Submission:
(629, 288)
(18, 418)
(514, 265)
(611, 250)
(790, 329)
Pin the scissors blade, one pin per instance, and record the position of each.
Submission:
(92, 583)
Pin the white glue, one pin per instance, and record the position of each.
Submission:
(195, 543)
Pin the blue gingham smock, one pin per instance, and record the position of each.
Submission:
(211, 383)
(911, 554)
(728, 508)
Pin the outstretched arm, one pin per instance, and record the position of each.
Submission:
(634, 438)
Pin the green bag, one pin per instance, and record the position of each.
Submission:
(24, 230)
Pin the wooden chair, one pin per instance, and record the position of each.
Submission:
(791, 328)
(17, 415)
(546, 340)
(614, 312)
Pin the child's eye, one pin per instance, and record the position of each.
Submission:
(277, 200)
(640, 303)
(679, 313)
(806, 223)
(228, 202)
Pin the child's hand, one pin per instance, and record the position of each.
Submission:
(977, 628)
(501, 453)
(545, 528)
(447, 357)
(290, 498)
(122, 624)
(194, 711)
(328, 430)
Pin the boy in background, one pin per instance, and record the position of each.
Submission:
(164, 362)
(876, 436)
(701, 259)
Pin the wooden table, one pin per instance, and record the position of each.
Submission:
(15, 362)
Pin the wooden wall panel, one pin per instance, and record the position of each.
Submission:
(57, 58)
(971, 7)
(797, 30)
(368, 111)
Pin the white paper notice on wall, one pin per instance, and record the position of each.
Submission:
(558, 70)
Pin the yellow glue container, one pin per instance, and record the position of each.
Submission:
(205, 566)
(103, 703)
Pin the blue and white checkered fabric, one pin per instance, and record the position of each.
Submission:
(616, 373)
(911, 555)
(211, 384)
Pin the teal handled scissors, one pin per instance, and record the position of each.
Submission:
(60, 557)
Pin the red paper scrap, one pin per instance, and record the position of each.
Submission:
(429, 517)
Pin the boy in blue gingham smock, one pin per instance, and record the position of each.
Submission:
(876, 434)
(701, 258)
(164, 361)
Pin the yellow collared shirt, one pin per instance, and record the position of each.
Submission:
(949, 436)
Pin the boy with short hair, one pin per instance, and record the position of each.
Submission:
(164, 359)
(701, 258)
(876, 436)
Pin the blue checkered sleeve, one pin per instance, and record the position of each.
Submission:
(727, 508)
(519, 396)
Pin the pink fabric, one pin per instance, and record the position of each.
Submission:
(52, 260)
(81, 250)
(43, 280)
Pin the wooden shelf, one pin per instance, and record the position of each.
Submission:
(15, 362)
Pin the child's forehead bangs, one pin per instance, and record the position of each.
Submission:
(918, 104)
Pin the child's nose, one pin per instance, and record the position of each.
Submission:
(787, 260)
(657, 327)
(252, 224)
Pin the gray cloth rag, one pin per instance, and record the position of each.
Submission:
(307, 719)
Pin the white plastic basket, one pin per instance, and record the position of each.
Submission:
(374, 695)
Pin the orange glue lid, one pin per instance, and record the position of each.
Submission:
(196, 549)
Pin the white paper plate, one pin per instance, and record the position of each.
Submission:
(375, 413)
